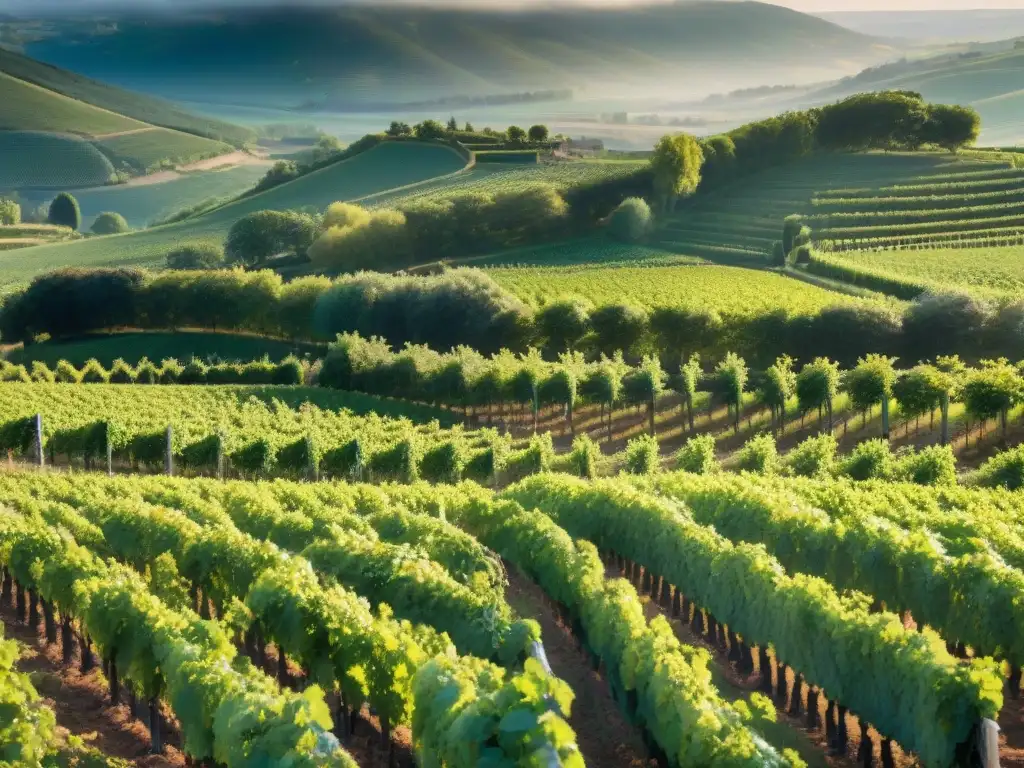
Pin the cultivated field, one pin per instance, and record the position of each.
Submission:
(56, 161)
(145, 150)
(385, 167)
(729, 290)
(144, 204)
(847, 198)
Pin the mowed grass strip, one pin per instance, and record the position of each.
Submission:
(390, 165)
(731, 291)
(28, 107)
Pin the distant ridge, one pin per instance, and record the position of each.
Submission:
(358, 52)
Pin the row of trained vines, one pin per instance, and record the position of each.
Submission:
(196, 564)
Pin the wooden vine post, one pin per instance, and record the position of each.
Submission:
(39, 456)
(169, 453)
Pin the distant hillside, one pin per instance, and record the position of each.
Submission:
(977, 24)
(134, 105)
(360, 54)
(59, 130)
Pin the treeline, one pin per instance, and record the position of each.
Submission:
(290, 371)
(466, 307)
(885, 120)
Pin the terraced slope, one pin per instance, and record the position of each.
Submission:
(848, 197)
(50, 161)
(386, 167)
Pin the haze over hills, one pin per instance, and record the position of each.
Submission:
(381, 55)
(979, 24)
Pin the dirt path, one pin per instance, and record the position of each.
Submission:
(604, 735)
(219, 163)
(81, 703)
(116, 134)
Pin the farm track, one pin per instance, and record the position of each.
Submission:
(605, 737)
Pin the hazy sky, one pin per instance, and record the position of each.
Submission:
(810, 6)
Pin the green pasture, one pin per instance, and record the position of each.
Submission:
(34, 159)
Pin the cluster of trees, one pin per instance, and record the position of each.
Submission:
(430, 130)
(880, 120)
(466, 307)
(64, 211)
(10, 212)
(435, 229)
(327, 151)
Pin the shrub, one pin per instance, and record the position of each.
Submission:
(196, 256)
(109, 223)
(760, 454)
(345, 461)
(1004, 470)
(584, 457)
(289, 371)
(146, 372)
(256, 458)
(444, 463)
(64, 211)
(538, 133)
(121, 373)
(10, 212)
(41, 372)
(802, 255)
(814, 457)
(194, 372)
(93, 372)
(399, 464)
(258, 372)
(429, 129)
(380, 242)
(697, 455)
(345, 215)
(224, 373)
(564, 323)
(643, 456)
(934, 465)
(170, 371)
(631, 221)
(537, 457)
(300, 458)
(14, 373)
(870, 460)
(66, 373)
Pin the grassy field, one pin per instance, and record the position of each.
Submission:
(730, 290)
(851, 196)
(145, 151)
(385, 167)
(128, 103)
(28, 235)
(142, 205)
(28, 107)
(497, 178)
(156, 345)
(29, 158)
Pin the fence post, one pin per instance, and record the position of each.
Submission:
(220, 457)
(944, 406)
(168, 453)
(40, 456)
(885, 417)
(110, 456)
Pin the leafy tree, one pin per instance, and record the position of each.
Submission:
(516, 135)
(631, 221)
(326, 148)
(345, 215)
(538, 133)
(602, 384)
(453, 124)
(679, 331)
(817, 385)
(564, 323)
(468, 127)
(399, 129)
(584, 456)
(64, 211)
(618, 327)
(870, 384)
(951, 126)
(940, 323)
(992, 390)
(777, 387)
(791, 227)
(730, 381)
(921, 390)
(109, 223)
(689, 378)
(676, 162)
(279, 173)
(644, 385)
(196, 256)
(10, 212)
(255, 238)
(429, 129)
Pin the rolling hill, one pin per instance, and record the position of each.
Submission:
(358, 55)
(389, 166)
(59, 130)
